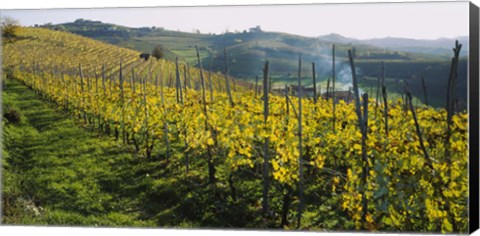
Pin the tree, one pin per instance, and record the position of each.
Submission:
(158, 52)
(9, 29)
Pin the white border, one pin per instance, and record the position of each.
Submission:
(32, 4)
(53, 231)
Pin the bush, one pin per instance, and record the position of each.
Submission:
(158, 52)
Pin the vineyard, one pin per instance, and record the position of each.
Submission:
(373, 164)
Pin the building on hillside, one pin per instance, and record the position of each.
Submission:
(278, 91)
(306, 91)
(292, 90)
(346, 96)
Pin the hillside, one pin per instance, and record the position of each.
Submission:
(98, 137)
(288, 46)
(43, 47)
(249, 49)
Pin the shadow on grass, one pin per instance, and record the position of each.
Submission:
(74, 176)
(59, 165)
(80, 177)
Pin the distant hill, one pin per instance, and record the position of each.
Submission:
(248, 50)
(440, 47)
(337, 38)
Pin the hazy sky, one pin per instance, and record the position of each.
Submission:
(412, 20)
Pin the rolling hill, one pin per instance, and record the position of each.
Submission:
(405, 59)
(64, 52)
(439, 47)
(247, 50)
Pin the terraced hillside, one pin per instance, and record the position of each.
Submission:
(59, 53)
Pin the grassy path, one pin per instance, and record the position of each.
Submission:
(57, 172)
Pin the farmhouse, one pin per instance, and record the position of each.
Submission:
(306, 91)
(346, 96)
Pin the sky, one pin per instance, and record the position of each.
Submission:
(419, 20)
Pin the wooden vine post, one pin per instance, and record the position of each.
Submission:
(377, 96)
(314, 83)
(122, 97)
(226, 78)
(256, 86)
(162, 97)
(87, 94)
(185, 78)
(265, 205)
(328, 89)
(148, 148)
(365, 168)
(210, 83)
(362, 120)
(189, 77)
(287, 196)
(65, 88)
(384, 95)
(110, 81)
(97, 99)
(333, 87)
(424, 87)
(451, 95)
(82, 90)
(77, 102)
(165, 124)
(132, 81)
(211, 164)
(104, 81)
(419, 132)
(300, 160)
(178, 84)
